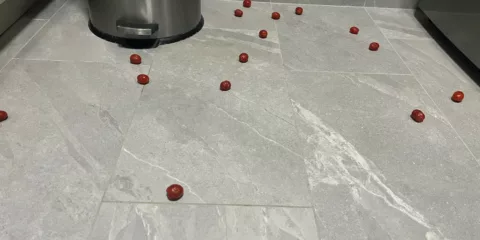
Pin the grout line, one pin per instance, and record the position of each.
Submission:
(30, 39)
(151, 65)
(115, 166)
(24, 45)
(207, 204)
(278, 37)
(78, 61)
(436, 105)
(287, 83)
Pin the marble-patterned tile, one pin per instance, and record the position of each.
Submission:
(119, 221)
(319, 40)
(399, 23)
(52, 177)
(324, 2)
(67, 37)
(373, 172)
(211, 56)
(12, 40)
(270, 223)
(392, 3)
(219, 14)
(223, 147)
(440, 75)
(44, 9)
(94, 103)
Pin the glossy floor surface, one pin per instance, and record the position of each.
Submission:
(314, 140)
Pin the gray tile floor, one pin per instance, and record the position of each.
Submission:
(314, 141)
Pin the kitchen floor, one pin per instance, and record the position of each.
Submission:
(314, 140)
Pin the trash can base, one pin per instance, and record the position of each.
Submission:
(144, 43)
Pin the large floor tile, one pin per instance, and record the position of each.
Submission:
(173, 222)
(44, 9)
(324, 2)
(373, 172)
(399, 23)
(319, 40)
(60, 144)
(117, 221)
(67, 37)
(212, 56)
(270, 223)
(441, 76)
(12, 41)
(219, 14)
(222, 148)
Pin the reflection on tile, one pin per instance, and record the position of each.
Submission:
(441, 76)
(117, 221)
(373, 172)
(320, 40)
(223, 149)
(219, 14)
(270, 223)
(392, 3)
(165, 222)
(44, 9)
(67, 37)
(16, 37)
(399, 23)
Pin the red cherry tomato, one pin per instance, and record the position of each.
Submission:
(298, 11)
(247, 3)
(135, 59)
(143, 79)
(3, 116)
(354, 30)
(238, 13)
(174, 192)
(417, 116)
(243, 58)
(263, 34)
(458, 96)
(374, 46)
(225, 85)
(275, 15)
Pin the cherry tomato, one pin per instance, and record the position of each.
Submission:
(238, 13)
(298, 11)
(458, 96)
(243, 58)
(3, 116)
(354, 30)
(417, 116)
(374, 46)
(263, 34)
(135, 59)
(247, 3)
(225, 85)
(143, 79)
(174, 192)
(275, 15)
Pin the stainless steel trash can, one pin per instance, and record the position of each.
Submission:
(165, 21)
